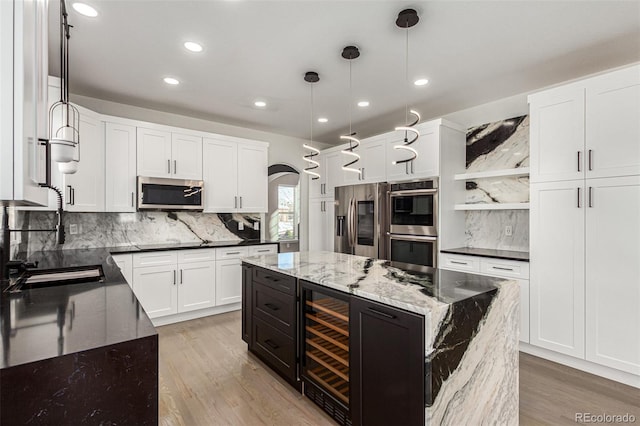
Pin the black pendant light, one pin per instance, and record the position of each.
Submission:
(350, 53)
(311, 77)
(407, 18)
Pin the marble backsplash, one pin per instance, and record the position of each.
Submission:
(127, 229)
(486, 229)
(491, 147)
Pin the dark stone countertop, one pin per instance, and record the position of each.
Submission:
(186, 246)
(522, 256)
(43, 323)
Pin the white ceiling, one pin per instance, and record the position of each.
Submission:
(472, 52)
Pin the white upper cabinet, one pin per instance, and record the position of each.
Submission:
(252, 178)
(154, 153)
(169, 155)
(613, 124)
(590, 128)
(186, 156)
(427, 147)
(84, 190)
(120, 188)
(23, 101)
(331, 175)
(372, 163)
(235, 175)
(220, 173)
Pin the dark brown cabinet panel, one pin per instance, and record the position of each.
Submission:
(278, 309)
(387, 365)
(247, 289)
(275, 280)
(275, 348)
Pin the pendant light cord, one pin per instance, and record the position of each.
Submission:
(311, 120)
(350, 98)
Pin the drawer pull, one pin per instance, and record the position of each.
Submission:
(384, 314)
(271, 344)
(272, 306)
(270, 278)
(263, 251)
(458, 262)
(502, 268)
(232, 252)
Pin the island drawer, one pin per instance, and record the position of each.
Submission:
(275, 280)
(276, 308)
(275, 348)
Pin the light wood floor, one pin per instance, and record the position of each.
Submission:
(207, 377)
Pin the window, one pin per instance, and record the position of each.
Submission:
(288, 212)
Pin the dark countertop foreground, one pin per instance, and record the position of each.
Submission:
(186, 246)
(43, 323)
(483, 252)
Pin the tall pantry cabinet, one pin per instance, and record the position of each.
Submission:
(584, 230)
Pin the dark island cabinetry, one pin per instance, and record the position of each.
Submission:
(387, 365)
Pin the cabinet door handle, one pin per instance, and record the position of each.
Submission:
(384, 314)
(590, 159)
(132, 199)
(241, 201)
(502, 268)
(73, 196)
(69, 197)
(169, 166)
(180, 276)
(406, 168)
(412, 171)
(175, 167)
(590, 196)
(174, 277)
(458, 262)
(579, 203)
(271, 344)
(272, 306)
(363, 178)
(579, 160)
(235, 202)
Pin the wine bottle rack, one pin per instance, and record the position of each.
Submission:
(327, 344)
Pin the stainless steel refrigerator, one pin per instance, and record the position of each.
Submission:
(360, 220)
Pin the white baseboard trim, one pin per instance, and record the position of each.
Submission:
(581, 364)
(186, 316)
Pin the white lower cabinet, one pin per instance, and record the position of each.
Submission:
(510, 269)
(156, 289)
(175, 282)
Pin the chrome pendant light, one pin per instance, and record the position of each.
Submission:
(312, 169)
(64, 140)
(350, 53)
(407, 19)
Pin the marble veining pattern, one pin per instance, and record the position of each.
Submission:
(128, 229)
(499, 145)
(485, 228)
(471, 329)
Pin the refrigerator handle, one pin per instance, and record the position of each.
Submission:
(353, 223)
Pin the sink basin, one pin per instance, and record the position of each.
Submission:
(57, 277)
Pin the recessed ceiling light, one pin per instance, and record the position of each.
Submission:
(171, 80)
(322, 120)
(260, 104)
(193, 46)
(363, 104)
(421, 82)
(85, 9)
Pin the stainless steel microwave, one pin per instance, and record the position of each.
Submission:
(169, 194)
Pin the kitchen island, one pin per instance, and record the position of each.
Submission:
(457, 331)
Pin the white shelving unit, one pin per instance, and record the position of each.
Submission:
(493, 206)
(520, 171)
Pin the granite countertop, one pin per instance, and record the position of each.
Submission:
(394, 284)
(484, 252)
(186, 246)
(55, 321)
